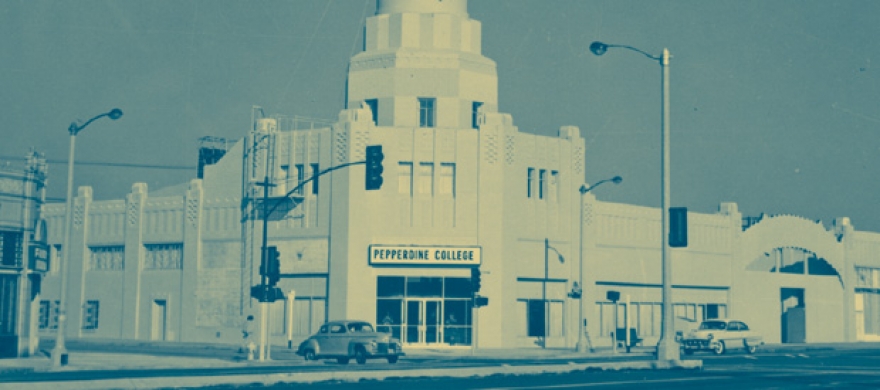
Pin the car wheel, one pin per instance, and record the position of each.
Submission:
(310, 355)
(750, 349)
(360, 356)
(392, 359)
(342, 360)
(719, 348)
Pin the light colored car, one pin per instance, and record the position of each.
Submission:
(720, 335)
(343, 340)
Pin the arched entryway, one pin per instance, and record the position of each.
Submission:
(788, 281)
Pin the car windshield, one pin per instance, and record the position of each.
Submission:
(713, 325)
(361, 327)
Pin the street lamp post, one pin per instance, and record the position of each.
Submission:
(547, 248)
(667, 349)
(581, 345)
(59, 352)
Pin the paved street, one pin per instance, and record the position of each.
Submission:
(814, 369)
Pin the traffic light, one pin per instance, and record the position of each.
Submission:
(273, 265)
(374, 167)
(678, 227)
(475, 279)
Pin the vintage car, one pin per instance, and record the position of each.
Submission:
(343, 340)
(720, 335)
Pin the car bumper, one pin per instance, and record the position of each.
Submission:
(697, 344)
(385, 349)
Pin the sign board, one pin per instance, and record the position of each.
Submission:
(425, 255)
(39, 257)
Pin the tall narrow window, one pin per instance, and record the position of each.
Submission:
(475, 108)
(374, 107)
(90, 315)
(404, 177)
(285, 178)
(542, 181)
(10, 249)
(553, 186)
(426, 178)
(300, 176)
(315, 171)
(531, 181)
(427, 113)
(447, 179)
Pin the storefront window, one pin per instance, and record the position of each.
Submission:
(390, 286)
(425, 310)
(457, 288)
(457, 322)
(424, 287)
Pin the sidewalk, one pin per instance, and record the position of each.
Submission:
(122, 354)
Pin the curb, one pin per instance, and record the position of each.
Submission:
(352, 376)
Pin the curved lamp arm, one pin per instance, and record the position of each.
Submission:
(599, 48)
(114, 114)
(616, 180)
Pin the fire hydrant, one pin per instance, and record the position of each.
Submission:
(250, 350)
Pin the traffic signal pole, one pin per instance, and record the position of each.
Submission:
(266, 291)
(264, 271)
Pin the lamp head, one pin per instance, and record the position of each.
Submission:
(598, 48)
(616, 179)
(115, 113)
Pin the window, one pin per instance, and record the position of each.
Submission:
(300, 177)
(447, 179)
(163, 256)
(531, 180)
(475, 109)
(553, 186)
(107, 258)
(10, 249)
(285, 178)
(315, 171)
(49, 314)
(426, 178)
(90, 315)
(427, 113)
(54, 264)
(536, 322)
(337, 328)
(404, 178)
(374, 108)
(542, 181)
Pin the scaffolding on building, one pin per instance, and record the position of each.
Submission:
(259, 165)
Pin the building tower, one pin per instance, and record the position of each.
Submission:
(422, 48)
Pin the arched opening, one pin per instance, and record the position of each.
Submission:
(793, 260)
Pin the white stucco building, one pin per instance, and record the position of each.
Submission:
(463, 188)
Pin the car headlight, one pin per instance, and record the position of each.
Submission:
(711, 336)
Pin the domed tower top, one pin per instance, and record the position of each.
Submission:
(455, 7)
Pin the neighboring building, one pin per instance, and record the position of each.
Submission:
(23, 255)
(462, 188)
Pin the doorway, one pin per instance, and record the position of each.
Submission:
(423, 321)
(794, 319)
(160, 313)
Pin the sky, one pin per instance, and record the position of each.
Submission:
(775, 105)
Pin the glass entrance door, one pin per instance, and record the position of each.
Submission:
(423, 321)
